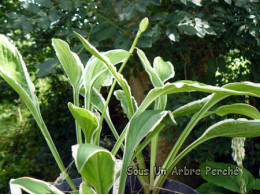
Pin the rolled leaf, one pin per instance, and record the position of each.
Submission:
(86, 119)
(139, 127)
(164, 69)
(32, 186)
(96, 165)
(70, 62)
(119, 94)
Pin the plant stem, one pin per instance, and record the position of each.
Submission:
(53, 149)
(112, 90)
(76, 103)
(194, 120)
(179, 157)
(142, 178)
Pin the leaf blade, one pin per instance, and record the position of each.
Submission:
(96, 165)
(35, 186)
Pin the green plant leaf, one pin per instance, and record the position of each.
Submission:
(233, 128)
(246, 88)
(32, 186)
(85, 189)
(164, 69)
(138, 128)
(120, 95)
(98, 102)
(14, 71)
(210, 171)
(208, 188)
(156, 81)
(251, 88)
(70, 62)
(86, 119)
(149, 69)
(243, 109)
(191, 107)
(93, 50)
(257, 184)
(96, 73)
(96, 165)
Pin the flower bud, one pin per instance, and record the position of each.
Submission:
(143, 24)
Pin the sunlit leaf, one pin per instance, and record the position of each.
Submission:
(244, 88)
(243, 109)
(70, 62)
(139, 127)
(119, 94)
(96, 165)
(85, 189)
(33, 186)
(86, 119)
(164, 69)
(233, 128)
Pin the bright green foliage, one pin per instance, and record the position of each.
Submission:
(85, 189)
(96, 165)
(139, 127)
(14, 71)
(87, 120)
(233, 128)
(243, 109)
(228, 180)
(70, 62)
(32, 186)
(96, 73)
(122, 98)
(164, 69)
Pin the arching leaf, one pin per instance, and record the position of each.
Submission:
(243, 109)
(32, 186)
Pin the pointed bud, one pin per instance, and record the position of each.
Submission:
(143, 24)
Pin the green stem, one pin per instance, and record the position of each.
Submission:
(119, 141)
(129, 102)
(76, 103)
(53, 149)
(143, 179)
(179, 157)
(194, 120)
(154, 145)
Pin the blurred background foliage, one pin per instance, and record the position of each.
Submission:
(210, 41)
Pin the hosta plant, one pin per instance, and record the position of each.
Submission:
(96, 164)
